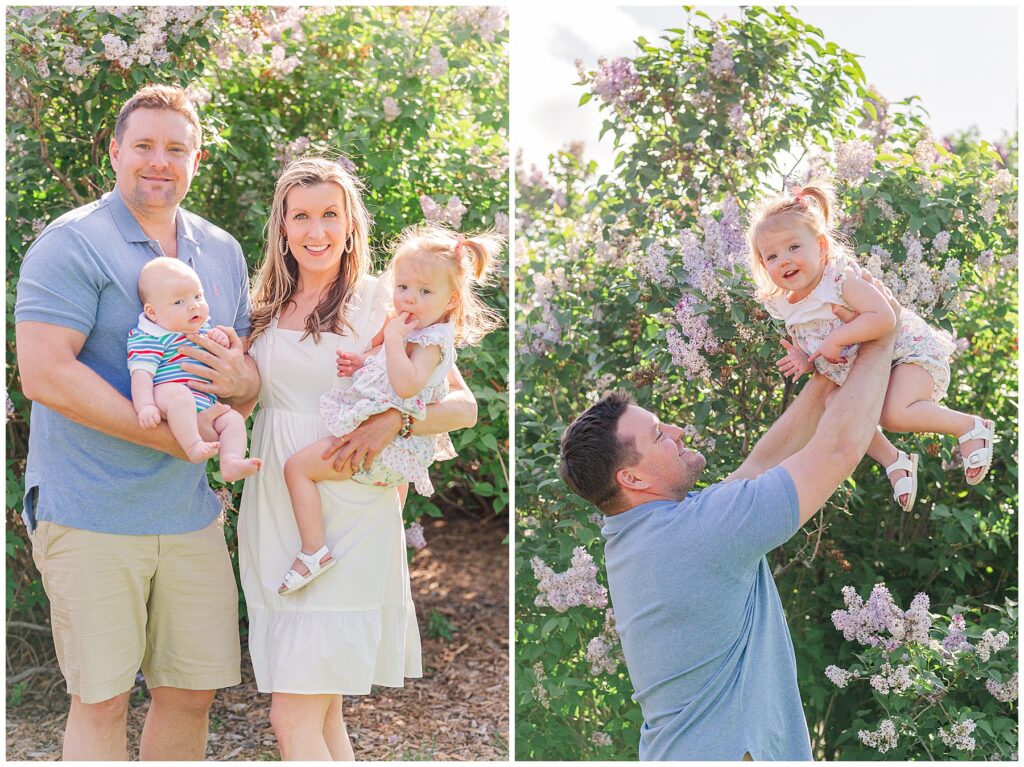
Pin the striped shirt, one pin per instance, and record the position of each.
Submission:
(158, 351)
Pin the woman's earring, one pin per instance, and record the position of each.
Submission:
(350, 242)
(284, 244)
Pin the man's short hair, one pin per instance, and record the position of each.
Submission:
(592, 453)
(160, 97)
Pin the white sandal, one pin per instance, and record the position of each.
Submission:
(294, 580)
(905, 485)
(981, 458)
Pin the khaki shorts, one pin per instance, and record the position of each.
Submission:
(165, 603)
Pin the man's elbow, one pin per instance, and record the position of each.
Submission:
(33, 386)
(841, 452)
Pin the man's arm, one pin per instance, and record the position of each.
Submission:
(845, 428)
(52, 376)
(789, 433)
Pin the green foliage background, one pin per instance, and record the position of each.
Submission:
(270, 82)
(691, 131)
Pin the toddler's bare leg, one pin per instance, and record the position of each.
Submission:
(885, 453)
(301, 473)
(909, 408)
(179, 407)
(233, 463)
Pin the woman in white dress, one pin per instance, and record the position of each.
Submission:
(314, 297)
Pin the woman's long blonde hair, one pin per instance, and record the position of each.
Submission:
(814, 205)
(277, 277)
(470, 261)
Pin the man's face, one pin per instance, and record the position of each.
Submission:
(665, 467)
(154, 161)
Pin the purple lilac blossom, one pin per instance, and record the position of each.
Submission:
(1003, 691)
(959, 735)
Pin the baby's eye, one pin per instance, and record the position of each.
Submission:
(179, 302)
(794, 246)
(770, 257)
(425, 291)
(401, 286)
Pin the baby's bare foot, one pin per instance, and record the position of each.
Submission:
(200, 451)
(234, 469)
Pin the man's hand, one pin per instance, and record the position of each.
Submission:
(795, 363)
(359, 448)
(217, 334)
(149, 416)
(830, 350)
(230, 375)
(349, 363)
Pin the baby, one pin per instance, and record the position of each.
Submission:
(173, 307)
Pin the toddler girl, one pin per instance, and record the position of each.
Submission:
(434, 272)
(173, 306)
(805, 275)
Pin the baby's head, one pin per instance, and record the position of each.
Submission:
(172, 295)
(792, 237)
(435, 271)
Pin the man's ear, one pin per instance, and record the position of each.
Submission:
(628, 479)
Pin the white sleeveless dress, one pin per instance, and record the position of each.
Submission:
(356, 625)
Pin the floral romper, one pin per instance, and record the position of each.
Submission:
(810, 320)
(404, 459)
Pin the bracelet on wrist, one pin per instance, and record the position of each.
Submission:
(406, 431)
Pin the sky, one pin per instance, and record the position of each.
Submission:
(961, 61)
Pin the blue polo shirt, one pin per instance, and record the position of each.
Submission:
(82, 273)
(701, 623)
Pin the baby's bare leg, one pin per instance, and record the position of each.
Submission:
(179, 408)
(233, 463)
(301, 473)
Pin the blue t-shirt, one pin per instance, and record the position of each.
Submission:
(701, 623)
(82, 273)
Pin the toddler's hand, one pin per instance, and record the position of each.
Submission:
(349, 363)
(219, 336)
(830, 350)
(795, 363)
(149, 416)
(400, 327)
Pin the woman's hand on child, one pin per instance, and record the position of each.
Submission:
(400, 327)
(360, 447)
(795, 363)
(349, 363)
(830, 350)
(149, 416)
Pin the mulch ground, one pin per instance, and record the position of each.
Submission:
(458, 711)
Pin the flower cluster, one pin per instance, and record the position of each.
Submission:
(414, 537)
(486, 20)
(198, 95)
(722, 62)
(73, 60)
(248, 33)
(892, 679)
(576, 586)
(956, 640)
(653, 266)
(540, 692)
(692, 337)
(616, 83)
(854, 161)
(1005, 691)
(501, 222)
(840, 677)
(450, 214)
(437, 65)
(150, 47)
(603, 652)
(391, 109)
(884, 738)
(694, 438)
(292, 149)
(549, 330)
(991, 642)
(868, 623)
(280, 63)
(601, 739)
(959, 735)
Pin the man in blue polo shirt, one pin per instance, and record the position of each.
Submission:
(126, 533)
(701, 623)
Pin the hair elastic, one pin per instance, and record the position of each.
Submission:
(798, 193)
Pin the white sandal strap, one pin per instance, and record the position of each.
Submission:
(980, 431)
(902, 463)
(903, 486)
(978, 458)
(312, 561)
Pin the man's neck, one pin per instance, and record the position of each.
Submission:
(158, 225)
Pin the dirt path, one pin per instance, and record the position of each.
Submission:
(458, 711)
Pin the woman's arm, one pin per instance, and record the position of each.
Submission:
(360, 447)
